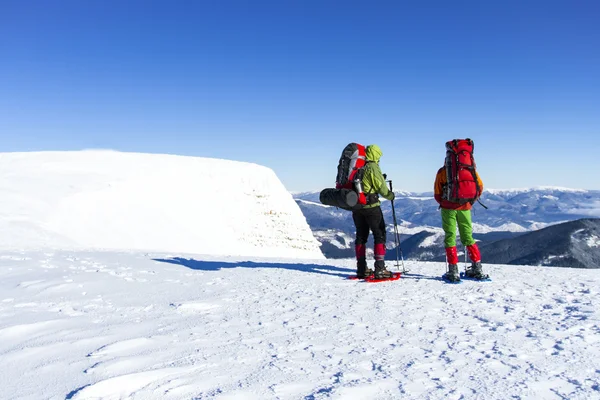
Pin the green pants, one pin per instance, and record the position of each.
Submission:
(449, 220)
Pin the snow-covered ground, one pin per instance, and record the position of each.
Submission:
(107, 325)
(136, 276)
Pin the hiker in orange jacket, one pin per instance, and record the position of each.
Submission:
(453, 214)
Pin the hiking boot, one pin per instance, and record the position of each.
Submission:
(452, 274)
(475, 271)
(361, 269)
(381, 272)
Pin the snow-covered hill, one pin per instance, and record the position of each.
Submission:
(94, 325)
(574, 244)
(130, 201)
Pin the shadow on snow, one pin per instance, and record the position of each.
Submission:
(408, 275)
(217, 265)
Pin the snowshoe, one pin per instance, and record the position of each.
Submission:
(368, 274)
(452, 275)
(475, 272)
(393, 277)
(362, 271)
(381, 272)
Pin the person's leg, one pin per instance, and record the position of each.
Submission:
(377, 226)
(465, 228)
(360, 246)
(449, 226)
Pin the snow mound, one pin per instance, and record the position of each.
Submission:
(153, 202)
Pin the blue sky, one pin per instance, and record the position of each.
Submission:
(287, 84)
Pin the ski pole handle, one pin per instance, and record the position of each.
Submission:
(390, 182)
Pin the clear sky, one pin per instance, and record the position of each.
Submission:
(287, 84)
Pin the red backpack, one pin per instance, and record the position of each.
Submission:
(350, 170)
(463, 186)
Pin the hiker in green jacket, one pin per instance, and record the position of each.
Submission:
(370, 217)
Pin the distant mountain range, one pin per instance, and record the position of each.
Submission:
(510, 214)
(574, 244)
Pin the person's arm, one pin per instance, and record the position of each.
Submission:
(380, 185)
(480, 182)
(438, 186)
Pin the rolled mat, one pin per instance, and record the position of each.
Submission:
(342, 198)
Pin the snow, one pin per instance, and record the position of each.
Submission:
(132, 276)
(525, 190)
(333, 237)
(312, 203)
(508, 227)
(129, 201)
(419, 198)
(407, 228)
(110, 325)
(548, 260)
(550, 197)
(534, 226)
(593, 241)
(582, 235)
(592, 209)
(403, 193)
(431, 240)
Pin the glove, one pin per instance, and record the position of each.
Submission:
(392, 196)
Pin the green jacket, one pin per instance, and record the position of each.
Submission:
(373, 180)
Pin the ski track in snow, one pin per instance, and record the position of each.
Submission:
(94, 325)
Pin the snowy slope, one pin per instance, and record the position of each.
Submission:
(130, 201)
(105, 325)
(572, 244)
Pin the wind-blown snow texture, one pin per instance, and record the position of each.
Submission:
(90, 325)
(124, 201)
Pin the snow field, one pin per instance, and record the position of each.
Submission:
(107, 325)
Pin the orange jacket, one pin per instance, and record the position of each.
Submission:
(438, 188)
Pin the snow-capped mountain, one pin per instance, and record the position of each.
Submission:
(574, 244)
(510, 213)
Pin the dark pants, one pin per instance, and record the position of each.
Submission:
(365, 220)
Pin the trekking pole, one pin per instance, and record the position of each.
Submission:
(465, 250)
(397, 236)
